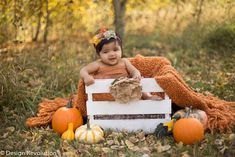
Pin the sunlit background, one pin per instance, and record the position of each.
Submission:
(44, 43)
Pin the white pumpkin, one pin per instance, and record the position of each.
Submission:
(89, 133)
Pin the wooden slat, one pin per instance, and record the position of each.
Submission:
(150, 85)
(147, 126)
(128, 116)
(134, 107)
(89, 97)
(102, 86)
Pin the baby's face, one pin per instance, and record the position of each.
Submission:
(111, 53)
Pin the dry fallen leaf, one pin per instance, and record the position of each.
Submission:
(145, 150)
(116, 134)
(150, 139)
(129, 144)
(10, 129)
(58, 153)
(70, 154)
(116, 142)
(106, 150)
(65, 146)
(161, 148)
(222, 149)
(113, 134)
(116, 147)
(133, 139)
(122, 143)
(218, 142)
(97, 149)
(145, 155)
(84, 151)
(231, 137)
(220, 145)
(121, 154)
(179, 145)
(185, 154)
(5, 135)
(110, 142)
(134, 148)
(141, 136)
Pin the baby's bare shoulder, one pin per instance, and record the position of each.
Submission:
(94, 64)
(126, 61)
(98, 62)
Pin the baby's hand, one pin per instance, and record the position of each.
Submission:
(137, 77)
(89, 80)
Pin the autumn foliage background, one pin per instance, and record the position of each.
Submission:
(44, 43)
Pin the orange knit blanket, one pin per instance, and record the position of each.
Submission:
(221, 114)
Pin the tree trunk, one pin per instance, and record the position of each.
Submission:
(119, 12)
(3, 23)
(15, 21)
(199, 11)
(39, 16)
(47, 23)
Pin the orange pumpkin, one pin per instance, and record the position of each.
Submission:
(195, 113)
(65, 115)
(188, 130)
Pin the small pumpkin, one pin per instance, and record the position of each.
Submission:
(89, 133)
(188, 130)
(65, 115)
(194, 113)
(68, 134)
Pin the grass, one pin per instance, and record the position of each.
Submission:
(32, 74)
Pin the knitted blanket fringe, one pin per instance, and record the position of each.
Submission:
(221, 114)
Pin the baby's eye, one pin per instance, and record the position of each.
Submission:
(105, 51)
(115, 49)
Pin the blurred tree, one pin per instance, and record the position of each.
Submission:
(199, 10)
(17, 17)
(119, 12)
(28, 20)
(39, 16)
(47, 22)
(3, 21)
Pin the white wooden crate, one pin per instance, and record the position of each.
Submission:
(136, 115)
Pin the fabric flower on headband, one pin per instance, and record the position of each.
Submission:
(103, 34)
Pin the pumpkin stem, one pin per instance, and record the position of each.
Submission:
(176, 117)
(188, 111)
(70, 103)
(88, 123)
(191, 109)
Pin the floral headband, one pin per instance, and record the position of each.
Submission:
(103, 34)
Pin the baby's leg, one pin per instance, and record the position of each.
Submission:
(149, 96)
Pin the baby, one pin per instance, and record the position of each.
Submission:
(110, 63)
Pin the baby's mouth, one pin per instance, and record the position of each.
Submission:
(111, 59)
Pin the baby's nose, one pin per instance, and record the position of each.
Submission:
(112, 53)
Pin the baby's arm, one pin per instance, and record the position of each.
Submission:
(136, 74)
(87, 70)
(132, 70)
